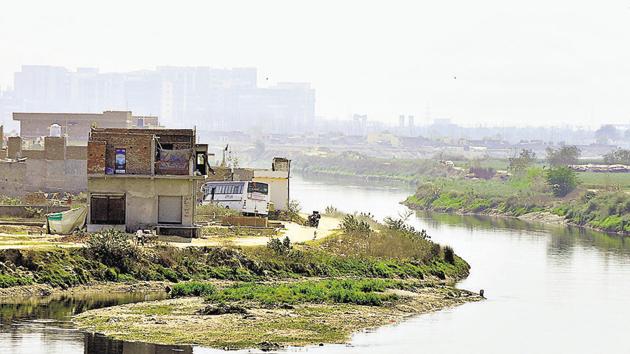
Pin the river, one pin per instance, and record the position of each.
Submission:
(549, 290)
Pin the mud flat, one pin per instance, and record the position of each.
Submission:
(254, 325)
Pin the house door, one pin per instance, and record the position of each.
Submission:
(169, 210)
(107, 209)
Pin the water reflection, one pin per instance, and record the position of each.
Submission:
(97, 343)
(551, 289)
(42, 324)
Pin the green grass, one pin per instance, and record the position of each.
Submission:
(595, 180)
(192, 288)
(608, 211)
(349, 291)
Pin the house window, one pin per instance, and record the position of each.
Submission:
(107, 209)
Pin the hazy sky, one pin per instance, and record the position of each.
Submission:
(483, 61)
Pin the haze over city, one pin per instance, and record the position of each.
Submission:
(488, 62)
(330, 177)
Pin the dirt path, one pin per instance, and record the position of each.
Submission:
(295, 232)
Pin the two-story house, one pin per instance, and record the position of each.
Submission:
(144, 179)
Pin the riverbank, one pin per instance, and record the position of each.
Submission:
(251, 324)
(368, 272)
(528, 199)
(40, 290)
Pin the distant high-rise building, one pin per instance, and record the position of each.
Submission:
(359, 124)
(211, 99)
(412, 125)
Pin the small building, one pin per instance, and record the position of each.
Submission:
(144, 179)
(278, 180)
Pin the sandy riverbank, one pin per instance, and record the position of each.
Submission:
(178, 321)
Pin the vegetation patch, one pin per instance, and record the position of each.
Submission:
(351, 291)
(245, 324)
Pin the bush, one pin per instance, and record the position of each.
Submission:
(192, 289)
(352, 224)
(114, 249)
(449, 255)
(401, 225)
(562, 180)
(280, 247)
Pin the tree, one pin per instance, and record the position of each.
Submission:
(525, 159)
(619, 156)
(605, 133)
(566, 155)
(562, 180)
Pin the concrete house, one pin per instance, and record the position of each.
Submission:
(278, 178)
(144, 179)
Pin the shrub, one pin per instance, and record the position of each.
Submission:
(114, 249)
(352, 224)
(562, 180)
(401, 225)
(192, 288)
(449, 254)
(280, 247)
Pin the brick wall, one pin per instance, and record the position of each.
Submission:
(76, 152)
(14, 147)
(55, 148)
(96, 157)
(139, 151)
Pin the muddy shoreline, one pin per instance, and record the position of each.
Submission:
(41, 290)
(180, 322)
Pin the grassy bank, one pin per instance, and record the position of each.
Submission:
(606, 209)
(379, 252)
(365, 275)
(251, 324)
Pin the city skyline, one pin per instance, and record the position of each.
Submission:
(208, 98)
(534, 63)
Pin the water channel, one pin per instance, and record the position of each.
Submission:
(549, 290)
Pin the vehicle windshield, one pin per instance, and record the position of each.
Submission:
(257, 187)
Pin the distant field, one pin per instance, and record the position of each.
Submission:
(596, 180)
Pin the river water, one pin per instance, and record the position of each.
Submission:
(548, 289)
